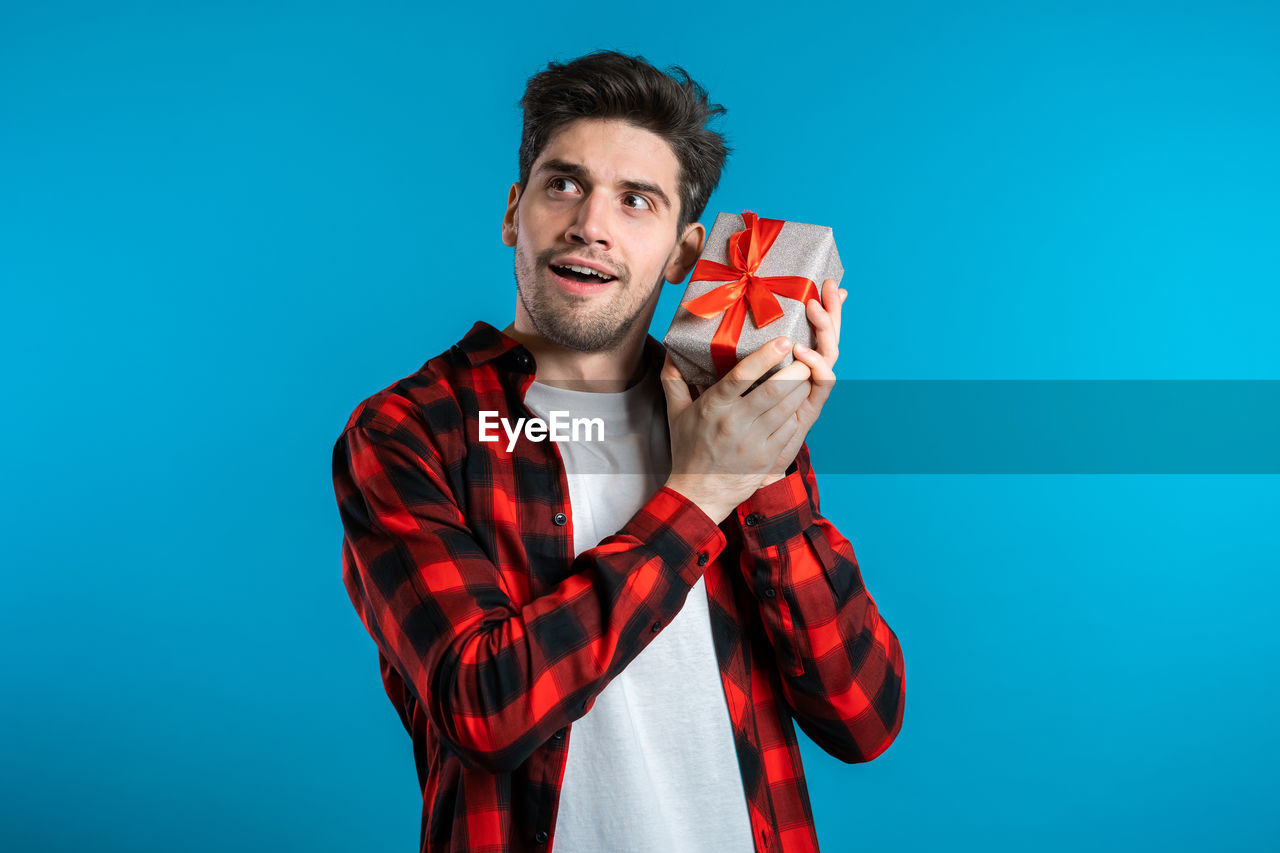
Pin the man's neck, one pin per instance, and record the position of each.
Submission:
(607, 371)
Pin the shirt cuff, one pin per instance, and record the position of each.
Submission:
(684, 536)
(775, 513)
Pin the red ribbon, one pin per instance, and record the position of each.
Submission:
(744, 289)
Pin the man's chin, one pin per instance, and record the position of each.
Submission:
(584, 340)
(573, 321)
(583, 337)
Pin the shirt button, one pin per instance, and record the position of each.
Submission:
(541, 837)
(703, 559)
(753, 519)
(657, 626)
(560, 519)
(769, 593)
(523, 361)
(559, 735)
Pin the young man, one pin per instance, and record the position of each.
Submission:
(601, 645)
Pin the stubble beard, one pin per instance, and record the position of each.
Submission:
(564, 319)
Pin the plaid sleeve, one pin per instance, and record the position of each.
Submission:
(841, 664)
(497, 677)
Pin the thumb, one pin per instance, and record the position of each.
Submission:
(676, 389)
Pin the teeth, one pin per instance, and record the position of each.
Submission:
(584, 270)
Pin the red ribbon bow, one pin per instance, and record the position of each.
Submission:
(744, 289)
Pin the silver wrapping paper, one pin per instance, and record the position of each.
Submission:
(801, 249)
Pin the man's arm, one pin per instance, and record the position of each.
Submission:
(497, 679)
(841, 664)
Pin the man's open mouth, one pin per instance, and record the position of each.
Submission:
(585, 275)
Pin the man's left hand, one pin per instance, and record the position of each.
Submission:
(821, 363)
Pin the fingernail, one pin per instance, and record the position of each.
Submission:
(801, 348)
(783, 344)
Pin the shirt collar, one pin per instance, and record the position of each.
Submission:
(484, 344)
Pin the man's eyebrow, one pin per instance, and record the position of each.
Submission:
(577, 171)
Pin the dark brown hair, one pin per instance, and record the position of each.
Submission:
(607, 84)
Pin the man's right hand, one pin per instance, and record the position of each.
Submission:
(723, 444)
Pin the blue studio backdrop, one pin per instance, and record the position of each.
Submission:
(225, 224)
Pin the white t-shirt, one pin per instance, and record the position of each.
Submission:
(652, 765)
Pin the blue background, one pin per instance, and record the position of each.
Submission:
(224, 224)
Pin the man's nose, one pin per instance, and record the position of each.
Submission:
(593, 224)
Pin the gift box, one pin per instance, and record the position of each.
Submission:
(750, 285)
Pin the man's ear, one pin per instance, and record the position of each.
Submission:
(686, 253)
(511, 220)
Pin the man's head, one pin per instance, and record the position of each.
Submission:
(607, 84)
(616, 166)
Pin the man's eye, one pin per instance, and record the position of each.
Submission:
(563, 185)
(639, 202)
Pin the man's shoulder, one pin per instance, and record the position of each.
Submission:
(431, 398)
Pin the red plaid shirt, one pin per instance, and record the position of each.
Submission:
(493, 638)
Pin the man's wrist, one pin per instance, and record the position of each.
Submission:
(770, 479)
(716, 510)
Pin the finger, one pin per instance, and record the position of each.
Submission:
(823, 377)
(835, 305)
(819, 368)
(830, 294)
(824, 331)
(825, 320)
(746, 372)
(778, 385)
(786, 432)
(844, 294)
(795, 370)
(676, 389)
(833, 300)
(788, 404)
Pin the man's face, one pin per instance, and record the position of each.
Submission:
(595, 234)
